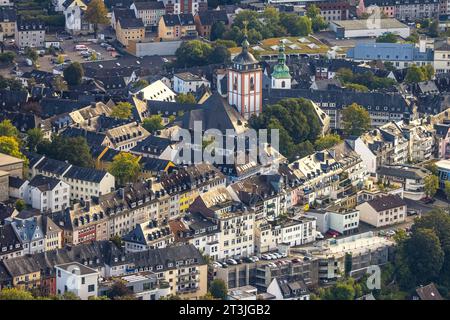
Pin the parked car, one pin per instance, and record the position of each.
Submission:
(255, 258)
(390, 233)
(295, 260)
(319, 236)
(266, 257)
(231, 261)
(427, 200)
(272, 256)
(411, 212)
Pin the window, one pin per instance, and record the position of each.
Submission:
(83, 280)
(283, 84)
(91, 288)
(252, 84)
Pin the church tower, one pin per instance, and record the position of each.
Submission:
(281, 78)
(245, 83)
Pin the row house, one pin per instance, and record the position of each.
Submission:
(84, 182)
(407, 10)
(148, 235)
(411, 178)
(383, 211)
(176, 26)
(29, 34)
(180, 6)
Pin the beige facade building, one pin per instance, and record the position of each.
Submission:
(130, 30)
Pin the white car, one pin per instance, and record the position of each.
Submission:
(266, 257)
(272, 256)
(231, 261)
(255, 258)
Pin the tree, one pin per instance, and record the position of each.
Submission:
(142, 83)
(428, 71)
(297, 124)
(34, 138)
(387, 37)
(70, 296)
(96, 13)
(7, 57)
(415, 74)
(125, 167)
(15, 294)
(431, 185)
(117, 240)
(424, 255)
(447, 190)
(10, 146)
(119, 290)
(59, 84)
(355, 120)
(11, 84)
(218, 289)
(122, 110)
(296, 25)
(185, 98)
(219, 54)
(75, 150)
(433, 29)
(20, 205)
(31, 54)
(327, 141)
(312, 11)
(60, 59)
(153, 123)
(74, 73)
(217, 30)
(193, 53)
(346, 289)
(8, 129)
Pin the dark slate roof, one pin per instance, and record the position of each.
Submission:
(209, 17)
(214, 113)
(54, 106)
(54, 166)
(44, 183)
(429, 292)
(8, 238)
(386, 202)
(404, 172)
(150, 5)
(162, 257)
(30, 25)
(131, 23)
(167, 108)
(123, 13)
(7, 15)
(92, 138)
(32, 157)
(6, 210)
(10, 98)
(22, 121)
(395, 102)
(15, 182)
(183, 19)
(153, 164)
(152, 145)
(86, 174)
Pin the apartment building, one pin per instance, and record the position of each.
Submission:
(29, 34)
(180, 6)
(176, 26)
(131, 29)
(383, 211)
(150, 12)
(186, 82)
(8, 20)
(77, 278)
(47, 194)
(336, 218)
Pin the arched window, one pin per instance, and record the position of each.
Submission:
(283, 84)
(252, 83)
(235, 83)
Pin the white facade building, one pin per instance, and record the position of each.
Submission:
(383, 211)
(187, 82)
(78, 279)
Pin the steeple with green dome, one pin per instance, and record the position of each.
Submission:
(281, 70)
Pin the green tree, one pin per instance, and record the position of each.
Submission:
(122, 110)
(185, 98)
(20, 205)
(125, 167)
(59, 84)
(428, 71)
(357, 87)
(312, 11)
(75, 150)
(7, 57)
(217, 30)
(218, 289)
(431, 185)
(415, 74)
(119, 290)
(8, 129)
(424, 255)
(153, 123)
(117, 240)
(387, 37)
(70, 296)
(96, 13)
(193, 53)
(219, 54)
(355, 120)
(15, 294)
(346, 289)
(60, 59)
(74, 73)
(11, 84)
(296, 25)
(433, 29)
(31, 54)
(142, 83)
(447, 190)
(10, 146)
(34, 137)
(327, 141)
